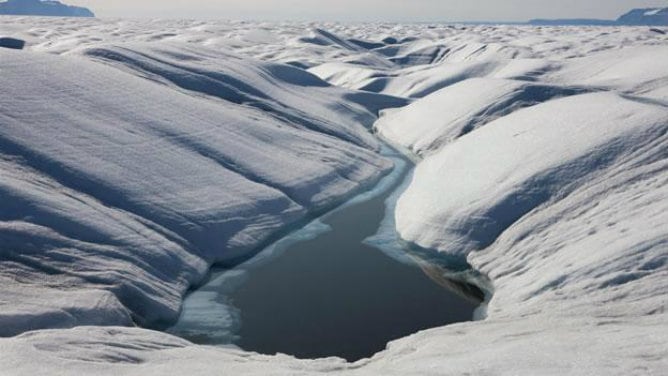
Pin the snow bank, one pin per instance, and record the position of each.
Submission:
(501, 172)
(563, 206)
(637, 71)
(284, 91)
(112, 183)
(524, 347)
(427, 124)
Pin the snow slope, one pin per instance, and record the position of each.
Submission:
(133, 154)
(512, 170)
(113, 183)
(456, 110)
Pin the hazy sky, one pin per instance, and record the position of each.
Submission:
(366, 10)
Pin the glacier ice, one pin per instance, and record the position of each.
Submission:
(123, 178)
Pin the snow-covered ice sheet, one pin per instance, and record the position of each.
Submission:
(116, 183)
(145, 150)
(428, 124)
(469, 192)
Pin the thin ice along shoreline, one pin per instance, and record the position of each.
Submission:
(342, 298)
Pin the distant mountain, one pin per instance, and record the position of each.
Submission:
(572, 22)
(42, 8)
(646, 16)
(636, 17)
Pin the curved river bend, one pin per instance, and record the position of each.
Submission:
(327, 289)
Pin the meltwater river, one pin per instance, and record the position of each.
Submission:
(341, 286)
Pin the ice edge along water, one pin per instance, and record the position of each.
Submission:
(165, 216)
(207, 311)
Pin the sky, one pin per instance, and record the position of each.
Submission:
(366, 10)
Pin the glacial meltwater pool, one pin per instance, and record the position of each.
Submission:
(324, 290)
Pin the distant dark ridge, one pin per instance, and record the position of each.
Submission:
(42, 8)
(646, 16)
(636, 17)
(573, 22)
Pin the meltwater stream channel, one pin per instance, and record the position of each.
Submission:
(340, 286)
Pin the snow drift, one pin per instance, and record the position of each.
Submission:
(112, 183)
(452, 112)
(499, 173)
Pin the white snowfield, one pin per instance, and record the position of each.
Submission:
(134, 154)
(445, 115)
(116, 183)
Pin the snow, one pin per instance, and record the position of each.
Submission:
(470, 104)
(498, 174)
(206, 315)
(140, 187)
(631, 71)
(133, 154)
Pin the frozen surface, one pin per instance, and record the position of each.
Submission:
(498, 174)
(454, 111)
(133, 154)
(111, 182)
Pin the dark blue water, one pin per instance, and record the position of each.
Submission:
(331, 295)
